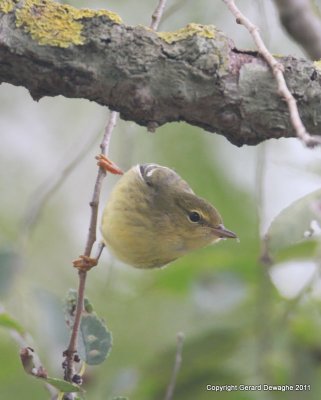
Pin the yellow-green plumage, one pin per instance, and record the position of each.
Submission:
(147, 220)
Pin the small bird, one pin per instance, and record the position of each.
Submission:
(153, 217)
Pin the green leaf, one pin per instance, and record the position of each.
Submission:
(7, 321)
(70, 306)
(289, 227)
(297, 251)
(95, 340)
(62, 385)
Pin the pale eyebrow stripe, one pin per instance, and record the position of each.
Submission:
(150, 169)
(137, 168)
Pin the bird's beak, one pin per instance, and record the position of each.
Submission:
(222, 232)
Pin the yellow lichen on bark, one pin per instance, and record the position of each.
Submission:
(55, 24)
(207, 31)
(6, 6)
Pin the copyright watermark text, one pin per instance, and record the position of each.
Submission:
(259, 388)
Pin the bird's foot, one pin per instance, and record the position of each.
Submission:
(85, 263)
(108, 165)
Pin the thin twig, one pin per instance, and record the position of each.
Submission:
(277, 70)
(261, 160)
(104, 146)
(157, 14)
(72, 347)
(265, 256)
(263, 291)
(100, 249)
(177, 366)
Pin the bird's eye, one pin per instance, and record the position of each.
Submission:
(194, 216)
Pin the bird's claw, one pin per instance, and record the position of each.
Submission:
(85, 263)
(108, 165)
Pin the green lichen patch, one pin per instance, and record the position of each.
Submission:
(55, 24)
(207, 31)
(6, 6)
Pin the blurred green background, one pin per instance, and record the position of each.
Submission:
(244, 323)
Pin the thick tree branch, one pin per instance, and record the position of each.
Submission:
(194, 75)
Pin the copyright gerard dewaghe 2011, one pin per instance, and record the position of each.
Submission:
(259, 388)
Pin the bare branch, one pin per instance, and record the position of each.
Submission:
(72, 347)
(104, 146)
(277, 69)
(177, 366)
(300, 21)
(157, 14)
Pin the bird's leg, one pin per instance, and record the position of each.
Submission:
(85, 263)
(108, 165)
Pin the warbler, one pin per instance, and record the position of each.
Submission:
(153, 217)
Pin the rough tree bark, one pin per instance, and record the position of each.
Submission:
(194, 75)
